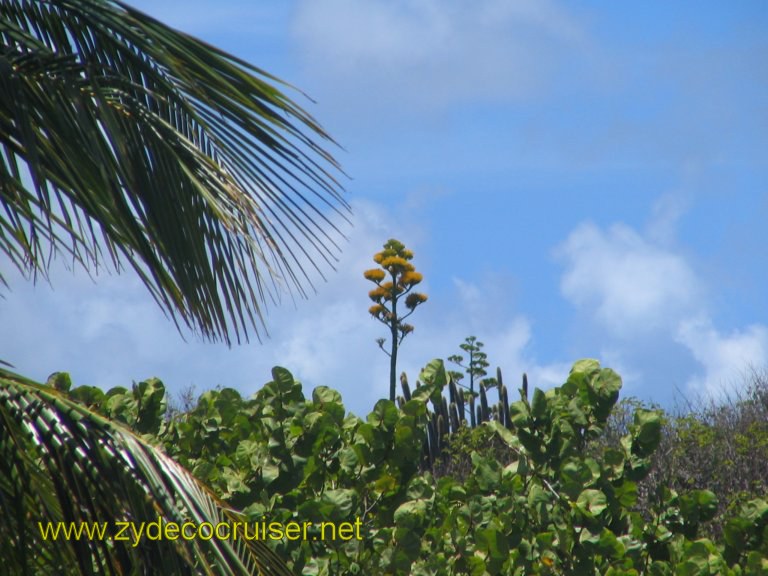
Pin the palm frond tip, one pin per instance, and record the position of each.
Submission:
(120, 134)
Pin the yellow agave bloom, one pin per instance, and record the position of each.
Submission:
(376, 309)
(411, 277)
(374, 275)
(396, 261)
(378, 293)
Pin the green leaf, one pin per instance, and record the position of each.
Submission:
(579, 374)
(426, 392)
(350, 459)
(698, 505)
(576, 413)
(538, 496)
(325, 395)
(506, 435)
(343, 502)
(576, 474)
(88, 395)
(384, 414)
(757, 564)
(329, 401)
(386, 484)
(317, 567)
(646, 431)
(411, 514)
(283, 379)
(486, 472)
(735, 532)
(539, 404)
(606, 387)
(152, 405)
(520, 414)
(494, 544)
(626, 494)
(421, 487)
(435, 376)
(592, 502)
(584, 366)
(613, 460)
(610, 545)
(60, 381)
(755, 511)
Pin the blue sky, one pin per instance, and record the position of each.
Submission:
(576, 180)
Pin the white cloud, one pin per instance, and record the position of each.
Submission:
(334, 345)
(614, 357)
(99, 331)
(724, 357)
(633, 285)
(481, 309)
(667, 210)
(433, 52)
(331, 339)
(111, 332)
(511, 348)
(646, 297)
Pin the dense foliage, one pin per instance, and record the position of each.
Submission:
(72, 481)
(721, 446)
(543, 496)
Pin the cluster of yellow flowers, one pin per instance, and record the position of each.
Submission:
(394, 262)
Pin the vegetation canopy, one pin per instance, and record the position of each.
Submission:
(545, 490)
(60, 462)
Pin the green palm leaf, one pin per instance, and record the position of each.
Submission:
(121, 135)
(60, 462)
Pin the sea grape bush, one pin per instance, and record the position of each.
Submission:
(554, 505)
(718, 446)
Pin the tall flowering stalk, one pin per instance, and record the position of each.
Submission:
(394, 279)
(475, 367)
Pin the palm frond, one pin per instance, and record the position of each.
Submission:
(120, 134)
(62, 463)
